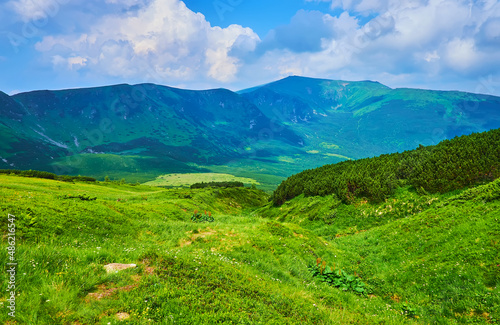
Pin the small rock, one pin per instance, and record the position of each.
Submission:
(115, 267)
(122, 316)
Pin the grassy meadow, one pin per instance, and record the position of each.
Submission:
(186, 180)
(423, 258)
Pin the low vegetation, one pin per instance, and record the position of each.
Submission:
(218, 184)
(196, 180)
(450, 165)
(47, 175)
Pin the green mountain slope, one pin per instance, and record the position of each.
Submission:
(432, 257)
(139, 128)
(450, 165)
(364, 119)
(20, 145)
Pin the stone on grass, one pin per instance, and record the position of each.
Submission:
(115, 267)
(123, 316)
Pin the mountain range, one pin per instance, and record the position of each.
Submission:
(267, 132)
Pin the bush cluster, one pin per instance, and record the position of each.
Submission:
(217, 184)
(449, 165)
(198, 217)
(46, 175)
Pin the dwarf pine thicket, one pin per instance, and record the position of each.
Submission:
(447, 166)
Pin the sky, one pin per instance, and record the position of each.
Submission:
(236, 44)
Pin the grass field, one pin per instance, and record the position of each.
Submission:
(425, 259)
(186, 180)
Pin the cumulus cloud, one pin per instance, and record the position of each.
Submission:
(159, 41)
(126, 3)
(461, 54)
(389, 40)
(397, 42)
(35, 9)
(489, 33)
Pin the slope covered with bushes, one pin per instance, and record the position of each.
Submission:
(449, 165)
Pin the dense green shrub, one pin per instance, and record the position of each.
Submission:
(29, 173)
(47, 175)
(217, 184)
(451, 164)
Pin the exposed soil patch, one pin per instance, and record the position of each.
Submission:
(103, 292)
(201, 234)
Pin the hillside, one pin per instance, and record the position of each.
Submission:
(365, 119)
(433, 256)
(425, 252)
(144, 129)
(424, 258)
(449, 165)
(267, 133)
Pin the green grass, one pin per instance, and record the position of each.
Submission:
(436, 254)
(186, 180)
(424, 259)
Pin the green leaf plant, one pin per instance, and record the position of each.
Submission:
(337, 278)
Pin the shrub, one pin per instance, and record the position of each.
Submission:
(217, 184)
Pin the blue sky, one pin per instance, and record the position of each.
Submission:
(235, 44)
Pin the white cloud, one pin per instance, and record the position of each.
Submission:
(35, 9)
(431, 56)
(408, 40)
(127, 3)
(157, 42)
(76, 62)
(391, 41)
(461, 54)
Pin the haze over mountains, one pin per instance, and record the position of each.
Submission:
(280, 128)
